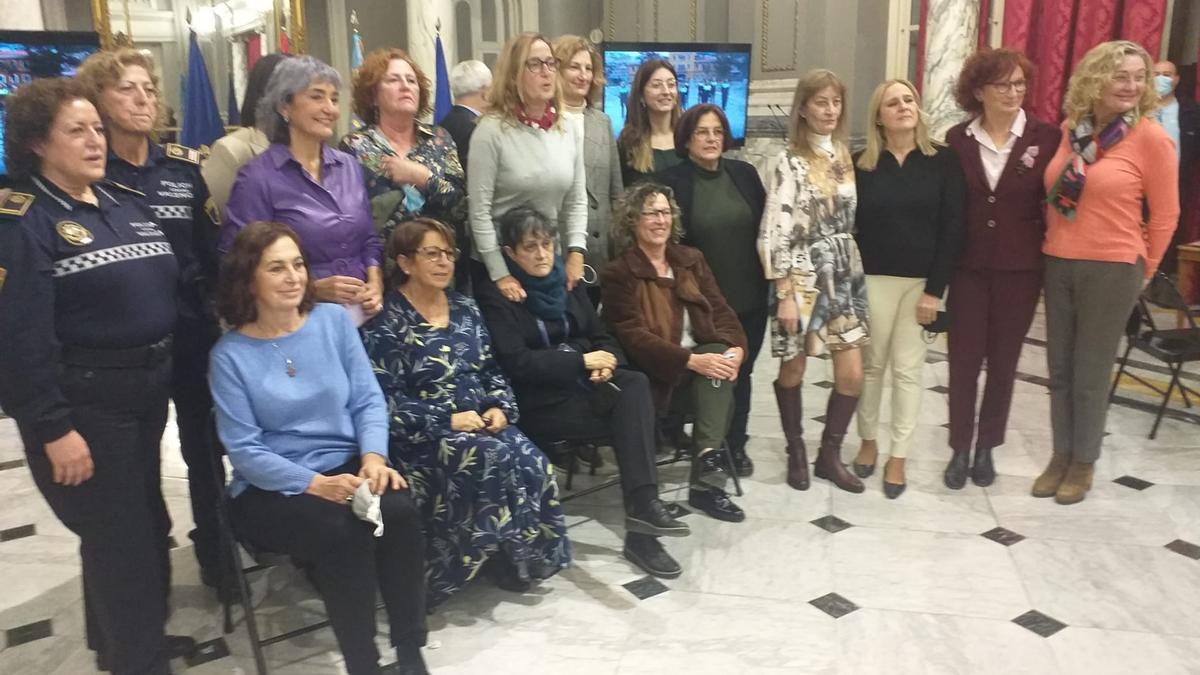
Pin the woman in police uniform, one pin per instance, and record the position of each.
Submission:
(87, 305)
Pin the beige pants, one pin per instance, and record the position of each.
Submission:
(897, 343)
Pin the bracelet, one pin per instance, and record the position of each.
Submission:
(783, 293)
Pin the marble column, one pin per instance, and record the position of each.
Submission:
(951, 35)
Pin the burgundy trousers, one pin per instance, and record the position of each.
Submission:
(990, 314)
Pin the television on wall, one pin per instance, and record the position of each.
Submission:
(706, 73)
(27, 55)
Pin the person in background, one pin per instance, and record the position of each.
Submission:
(318, 191)
(808, 251)
(647, 142)
(122, 85)
(721, 204)
(582, 73)
(305, 425)
(1181, 119)
(1113, 167)
(237, 147)
(487, 494)
(525, 154)
(995, 290)
(909, 226)
(85, 364)
(470, 82)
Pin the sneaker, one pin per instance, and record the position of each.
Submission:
(648, 554)
(654, 520)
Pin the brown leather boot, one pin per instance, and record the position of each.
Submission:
(1075, 486)
(791, 418)
(829, 458)
(1047, 484)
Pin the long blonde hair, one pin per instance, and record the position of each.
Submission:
(1096, 70)
(876, 141)
(809, 85)
(505, 95)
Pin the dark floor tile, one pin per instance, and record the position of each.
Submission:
(19, 532)
(940, 389)
(28, 633)
(1039, 623)
(1003, 536)
(208, 651)
(831, 524)
(646, 587)
(12, 464)
(1135, 483)
(1185, 548)
(819, 418)
(834, 605)
(824, 384)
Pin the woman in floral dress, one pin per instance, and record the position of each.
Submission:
(808, 250)
(487, 495)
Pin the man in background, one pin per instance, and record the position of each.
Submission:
(470, 82)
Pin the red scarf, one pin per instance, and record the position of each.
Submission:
(544, 122)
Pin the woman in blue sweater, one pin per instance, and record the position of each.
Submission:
(305, 425)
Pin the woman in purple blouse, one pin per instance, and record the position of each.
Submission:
(318, 191)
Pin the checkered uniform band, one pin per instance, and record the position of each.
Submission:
(172, 212)
(107, 256)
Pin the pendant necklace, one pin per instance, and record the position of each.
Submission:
(287, 362)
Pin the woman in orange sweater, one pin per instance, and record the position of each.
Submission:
(1099, 251)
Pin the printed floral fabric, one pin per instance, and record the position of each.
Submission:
(477, 492)
(443, 197)
(807, 234)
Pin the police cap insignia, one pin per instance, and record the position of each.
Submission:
(74, 233)
(16, 204)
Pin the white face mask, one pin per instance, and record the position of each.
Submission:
(1163, 84)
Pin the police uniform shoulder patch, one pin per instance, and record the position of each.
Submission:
(16, 204)
(182, 153)
(126, 188)
(214, 213)
(74, 233)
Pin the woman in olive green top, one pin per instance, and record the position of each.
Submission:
(647, 142)
(722, 202)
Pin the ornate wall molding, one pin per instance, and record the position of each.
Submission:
(695, 12)
(763, 66)
(612, 20)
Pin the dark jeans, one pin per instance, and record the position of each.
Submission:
(629, 425)
(119, 514)
(348, 561)
(197, 439)
(754, 323)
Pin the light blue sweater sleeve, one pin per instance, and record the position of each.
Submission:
(367, 406)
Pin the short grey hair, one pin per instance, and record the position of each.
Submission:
(290, 77)
(469, 77)
(522, 222)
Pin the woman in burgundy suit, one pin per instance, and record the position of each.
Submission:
(995, 289)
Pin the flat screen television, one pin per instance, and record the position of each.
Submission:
(707, 73)
(25, 55)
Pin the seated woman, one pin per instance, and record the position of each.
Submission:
(305, 424)
(570, 384)
(486, 493)
(663, 303)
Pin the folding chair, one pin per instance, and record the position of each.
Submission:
(1174, 347)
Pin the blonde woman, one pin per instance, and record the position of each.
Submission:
(910, 223)
(647, 142)
(807, 248)
(1099, 252)
(523, 154)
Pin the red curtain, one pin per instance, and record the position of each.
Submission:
(253, 50)
(1055, 34)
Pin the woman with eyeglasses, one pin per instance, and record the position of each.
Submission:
(647, 141)
(996, 287)
(486, 493)
(524, 154)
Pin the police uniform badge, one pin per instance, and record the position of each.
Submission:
(182, 152)
(16, 204)
(74, 233)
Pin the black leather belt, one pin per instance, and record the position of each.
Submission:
(131, 357)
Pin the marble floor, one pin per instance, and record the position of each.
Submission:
(974, 581)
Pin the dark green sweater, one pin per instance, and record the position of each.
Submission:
(724, 229)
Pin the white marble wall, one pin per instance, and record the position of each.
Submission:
(951, 35)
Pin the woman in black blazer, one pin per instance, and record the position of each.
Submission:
(571, 382)
(722, 203)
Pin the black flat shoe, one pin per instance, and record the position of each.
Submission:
(893, 490)
(174, 647)
(983, 473)
(656, 521)
(716, 503)
(505, 575)
(863, 470)
(742, 464)
(648, 554)
(409, 660)
(955, 476)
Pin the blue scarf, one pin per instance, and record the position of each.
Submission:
(545, 296)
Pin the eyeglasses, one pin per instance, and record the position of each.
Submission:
(535, 66)
(1005, 87)
(658, 213)
(432, 254)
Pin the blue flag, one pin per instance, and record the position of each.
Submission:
(441, 99)
(233, 116)
(201, 117)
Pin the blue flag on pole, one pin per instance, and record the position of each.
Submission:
(201, 117)
(233, 115)
(441, 99)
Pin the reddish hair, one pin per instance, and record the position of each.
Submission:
(984, 67)
(366, 83)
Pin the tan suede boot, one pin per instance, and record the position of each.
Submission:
(1047, 484)
(1077, 483)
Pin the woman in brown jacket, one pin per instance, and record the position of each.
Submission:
(665, 307)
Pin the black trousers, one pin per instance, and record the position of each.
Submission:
(197, 439)
(119, 514)
(754, 323)
(629, 424)
(348, 561)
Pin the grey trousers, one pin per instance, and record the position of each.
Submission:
(1087, 305)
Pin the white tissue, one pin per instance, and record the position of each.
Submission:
(366, 506)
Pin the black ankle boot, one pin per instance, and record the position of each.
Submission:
(955, 476)
(983, 473)
(742, 463)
